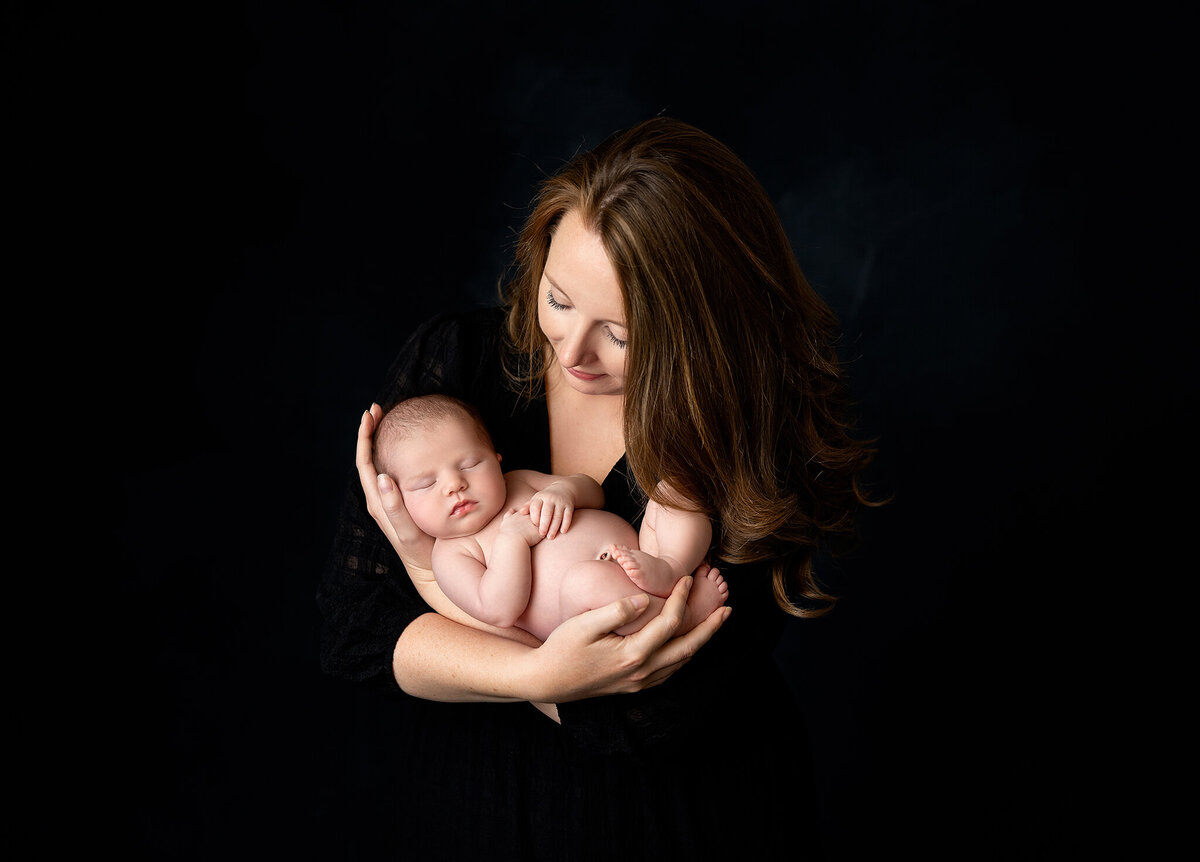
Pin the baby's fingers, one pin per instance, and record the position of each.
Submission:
(534, 510)
(547, 519)
(552, 521)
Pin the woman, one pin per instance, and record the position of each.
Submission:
(658, 332)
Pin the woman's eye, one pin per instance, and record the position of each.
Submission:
(621, 344)
(552, 301)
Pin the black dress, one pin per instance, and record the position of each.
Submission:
(715, 761)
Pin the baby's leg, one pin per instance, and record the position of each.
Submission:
(709, 592)
(652, 574)
(592, 584)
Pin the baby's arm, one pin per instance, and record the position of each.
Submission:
(556, 498)
(432, 593)
(495, 592)
(672, 542)
(677, 536)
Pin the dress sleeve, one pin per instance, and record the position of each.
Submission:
(365, 595)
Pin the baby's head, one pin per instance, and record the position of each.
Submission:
(441, 456)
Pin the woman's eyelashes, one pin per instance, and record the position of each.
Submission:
(558, 306)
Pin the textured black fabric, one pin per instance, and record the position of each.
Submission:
(716, 760)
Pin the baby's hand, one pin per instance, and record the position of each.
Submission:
(550, 509)
(516, 523)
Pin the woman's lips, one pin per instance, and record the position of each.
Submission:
(583, 375)
(462, 508)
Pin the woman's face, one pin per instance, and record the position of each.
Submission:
(581, 310)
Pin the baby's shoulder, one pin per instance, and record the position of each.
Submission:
(446, 548)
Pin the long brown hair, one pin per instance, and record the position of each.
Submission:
(733, 388)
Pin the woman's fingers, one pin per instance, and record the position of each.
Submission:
(392, 502)
(384, 502)
(584, 658)
(660, 629)
(602, 621)
(665, 653)
(399, 525)
(363, 455)
(676, 653)
(368, 477)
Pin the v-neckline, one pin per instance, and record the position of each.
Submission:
(618, 485)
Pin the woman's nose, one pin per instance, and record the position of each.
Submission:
(572, 350)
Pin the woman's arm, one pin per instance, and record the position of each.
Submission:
(438, 659)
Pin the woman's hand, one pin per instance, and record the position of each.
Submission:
(437, 658)
(384, 502)
(583, 658)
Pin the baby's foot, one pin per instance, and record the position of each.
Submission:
(650, 573)
(709, 592)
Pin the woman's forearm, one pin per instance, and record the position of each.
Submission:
(439, 659)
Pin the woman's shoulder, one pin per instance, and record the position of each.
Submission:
(481, 326)
(444, 352)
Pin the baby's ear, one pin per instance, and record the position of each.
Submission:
(499, 457)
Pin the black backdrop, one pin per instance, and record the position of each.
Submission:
(277, 193)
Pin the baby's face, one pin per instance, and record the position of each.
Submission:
(450, 480)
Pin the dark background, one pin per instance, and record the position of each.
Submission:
(263, 199)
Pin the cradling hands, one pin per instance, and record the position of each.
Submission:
(384, 502)
(584, 658)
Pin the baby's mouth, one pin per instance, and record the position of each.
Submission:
(462, 508)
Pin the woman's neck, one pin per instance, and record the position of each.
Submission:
(586, 431)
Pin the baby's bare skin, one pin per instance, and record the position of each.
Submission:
(646, 570)
(557, 569)
(576, 571)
